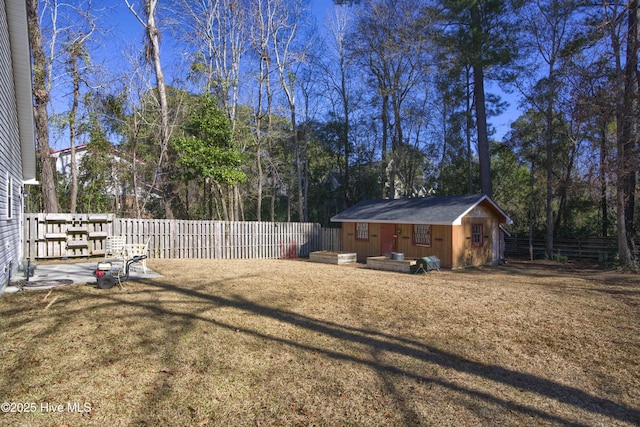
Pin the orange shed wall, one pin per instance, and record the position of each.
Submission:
(452, 244)
(464, 253)
(440, 244)
(364, 248)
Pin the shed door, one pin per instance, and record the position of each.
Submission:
(388, 239)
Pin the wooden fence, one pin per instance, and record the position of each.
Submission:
(332, 239)
(590, 249)
(82, 235)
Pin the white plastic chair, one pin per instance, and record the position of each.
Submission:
(114, 248)
(137, 249)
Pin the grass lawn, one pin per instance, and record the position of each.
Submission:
(294, 343)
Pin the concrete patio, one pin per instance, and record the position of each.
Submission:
(50, 275)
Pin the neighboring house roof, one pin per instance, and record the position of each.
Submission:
(63, 161)
(63, 157)
(20, 56)
(439, 210)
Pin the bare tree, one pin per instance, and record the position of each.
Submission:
(41, 97)
(627, 132)
(153, 55)
(262, 21)
(549, 22)
(76, 51)
(263, 18)
(287, 20)
(338, 80)
(391, 41)
(614, 25)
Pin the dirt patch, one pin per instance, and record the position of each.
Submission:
(272, 342)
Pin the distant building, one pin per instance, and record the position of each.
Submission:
(118, 186)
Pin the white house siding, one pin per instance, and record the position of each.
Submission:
(10, 161)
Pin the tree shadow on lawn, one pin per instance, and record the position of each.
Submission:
(531, 269)
(379, 342)
(608, 282)
(184, 319)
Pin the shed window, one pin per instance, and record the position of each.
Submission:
(477, 238)
(362, 231)
(9, 195)
(422, 234)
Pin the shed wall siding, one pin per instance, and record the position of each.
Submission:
(10, 158)
(464, 253)
(364, 248)
(440, 244)
(452, 244)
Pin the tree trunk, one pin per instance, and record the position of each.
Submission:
(274, 194)
(153, 55)
(164, 107)
(397, 140)
(299, 169)
(563, 210)
(345, 133)
(549, 197)
(223, 202)
(258, 119)
(259, 179)
(624, 82)
(73, 130)
(272, 168)
(385, 139)
(549, 153)
(444, 142)
(481, 112)
(240, 202)
(469, 125)
(531, 207)
(630, 127)
(483, 139)
(134, 174)
(603, 183)
(624, 252)
(41, 115)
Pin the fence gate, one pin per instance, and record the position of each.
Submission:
(66, 235)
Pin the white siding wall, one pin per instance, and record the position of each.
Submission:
(10, 160)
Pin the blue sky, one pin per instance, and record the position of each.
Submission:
(121, 32)
(125, 33)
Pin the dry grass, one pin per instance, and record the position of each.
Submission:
(283, 343)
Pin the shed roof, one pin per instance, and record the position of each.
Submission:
(439, 210)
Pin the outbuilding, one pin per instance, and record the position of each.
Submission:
(461, 231)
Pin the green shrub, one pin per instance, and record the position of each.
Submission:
(562, 259)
